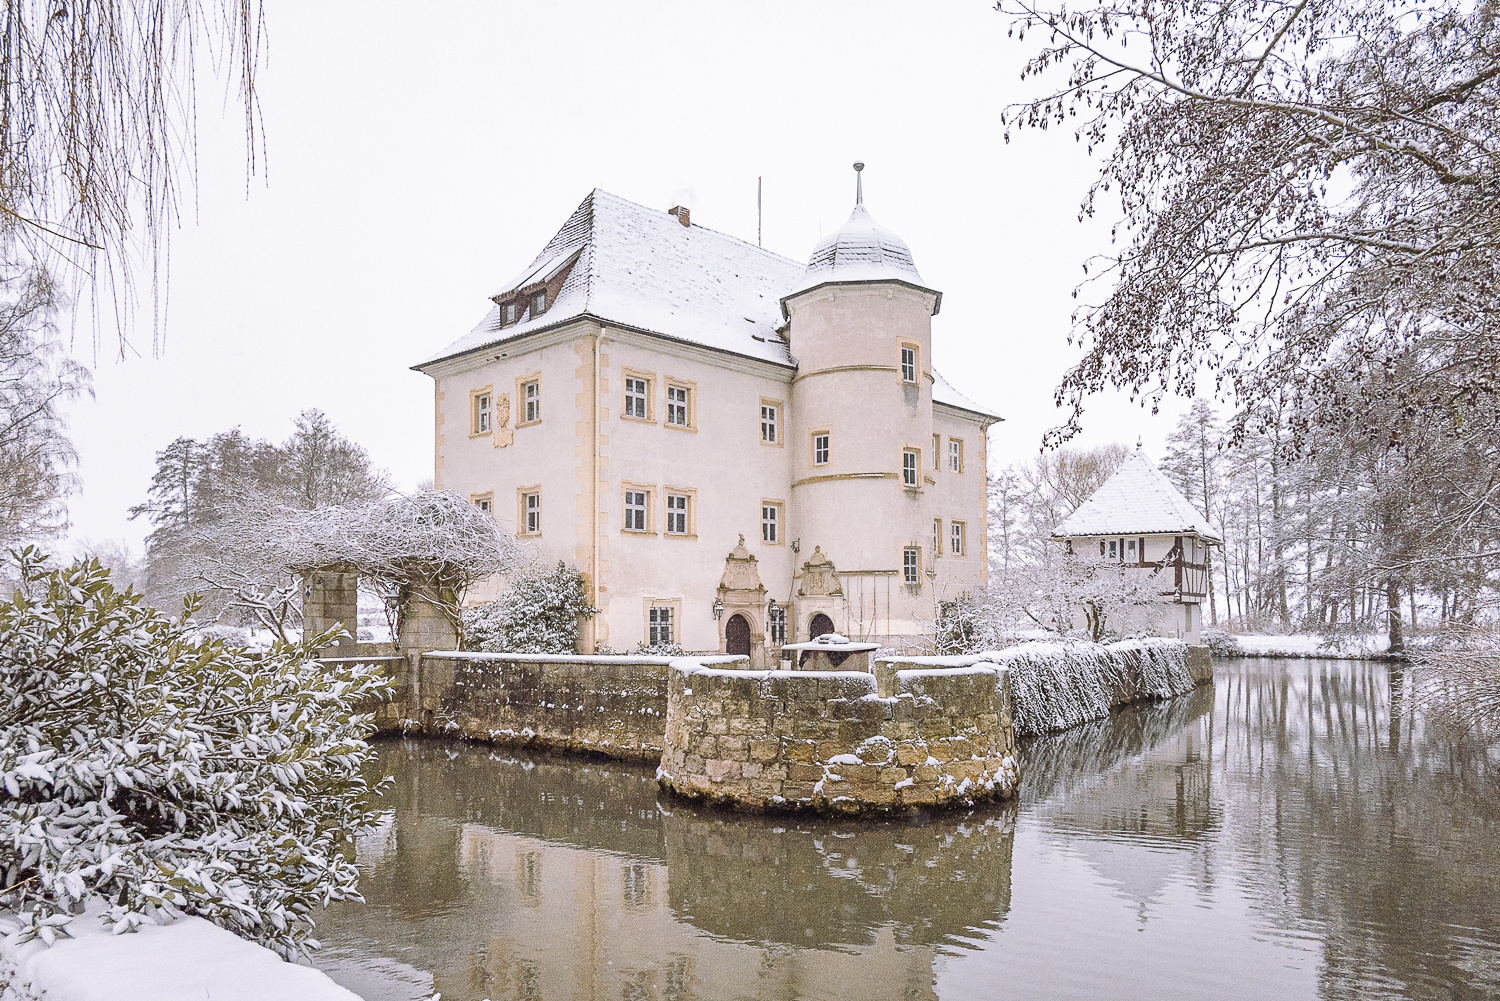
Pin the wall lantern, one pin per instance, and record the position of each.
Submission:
(718, 607)
(796, 545)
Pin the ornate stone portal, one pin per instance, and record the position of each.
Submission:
(742, 604)
(818, 592)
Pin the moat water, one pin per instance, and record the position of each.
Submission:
(1295, 831)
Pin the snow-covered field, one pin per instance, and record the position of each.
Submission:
(187, 960)
(1311, 645)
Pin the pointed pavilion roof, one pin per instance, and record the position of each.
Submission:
(1137, 500)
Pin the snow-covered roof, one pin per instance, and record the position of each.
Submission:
(640, 267)
(1137, 500)
(859, 251)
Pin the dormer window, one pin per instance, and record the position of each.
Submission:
(539, 302)
(508, 312)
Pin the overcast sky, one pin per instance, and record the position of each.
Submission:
(419, 154)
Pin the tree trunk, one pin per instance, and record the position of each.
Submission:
(1396, 645)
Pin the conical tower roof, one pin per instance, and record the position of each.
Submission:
(860, 251)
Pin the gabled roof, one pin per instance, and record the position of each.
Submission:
(1137, 500)
(641, 268)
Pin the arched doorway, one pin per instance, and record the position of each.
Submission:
(737, 635)
(819, 625)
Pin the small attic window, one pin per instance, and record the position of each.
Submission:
(508, 311)
(539, 302)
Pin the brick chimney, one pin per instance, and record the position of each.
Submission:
(681, 212)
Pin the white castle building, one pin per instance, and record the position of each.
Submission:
(737, 450)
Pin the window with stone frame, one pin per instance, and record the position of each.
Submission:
(531, 513)
(911, 464)
(637, 397)
(679, 410)
(677, 514)
(531, 394)
(483, 414)
(911, 565)
(770, 523)
(956, 538)
(637, 504)
(769, 414)
(937, 536)
(908, 363)
(955, 455)
(659, 625)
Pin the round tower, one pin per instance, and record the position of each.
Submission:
(860, 326)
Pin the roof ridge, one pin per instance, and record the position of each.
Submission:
(699, 226)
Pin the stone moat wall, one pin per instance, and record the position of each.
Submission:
(615, 706)
(909, 733)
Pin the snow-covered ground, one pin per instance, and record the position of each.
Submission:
(187, 960)
(1311, 645)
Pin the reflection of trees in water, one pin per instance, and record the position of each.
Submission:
(815, 882)
(1363, 827)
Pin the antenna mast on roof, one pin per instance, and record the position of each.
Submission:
(757, 212)
(859, 183)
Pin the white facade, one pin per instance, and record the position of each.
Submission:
(649, 391)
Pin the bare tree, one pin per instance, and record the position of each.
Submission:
(1080, 594)
(36, 379)
(1298, 181)
(98, 108)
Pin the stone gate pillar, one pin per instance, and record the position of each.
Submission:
(424, 626)
(330, 599)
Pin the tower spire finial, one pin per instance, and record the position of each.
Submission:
(859, 183)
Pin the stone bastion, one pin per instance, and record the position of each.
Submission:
(833, 740)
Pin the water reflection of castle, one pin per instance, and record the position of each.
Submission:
(543, 880)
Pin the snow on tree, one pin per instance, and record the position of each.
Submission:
(1081, 594)
(99, 129)
(432, 545)
(539, 614)
(169, 775)
(36, 380)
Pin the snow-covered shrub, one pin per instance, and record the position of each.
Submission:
(168, 773)
(483, 628)
(1221, 643)
(644, 649)
(965, 624)
(539, 614)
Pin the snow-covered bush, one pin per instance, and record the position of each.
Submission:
(644, 649)
(965, 624)
(170, 773)
(1221, 643)
(539, 614)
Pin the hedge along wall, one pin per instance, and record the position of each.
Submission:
(1055, 686)
(829, 740)
(615, 706)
